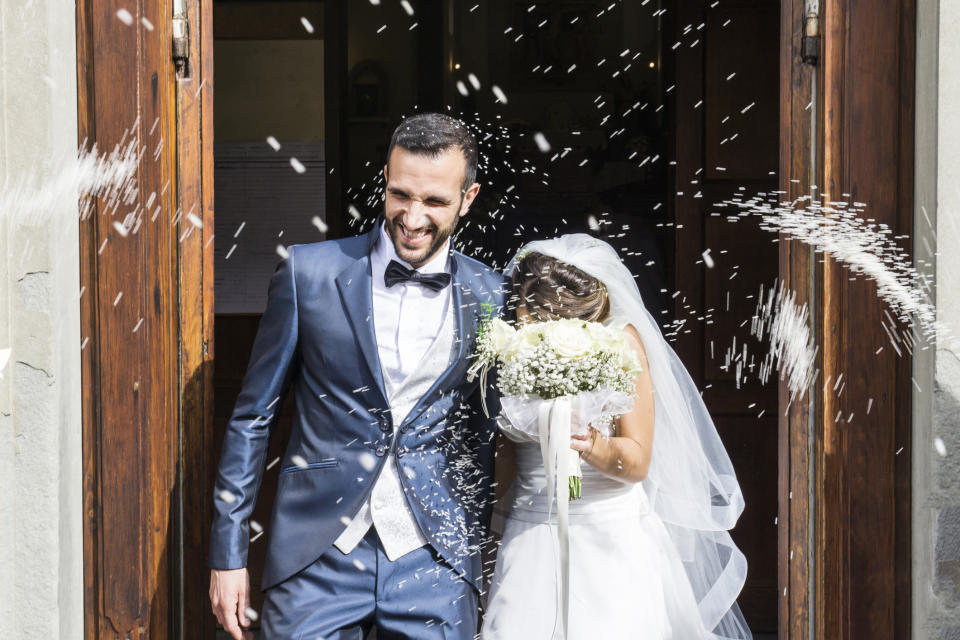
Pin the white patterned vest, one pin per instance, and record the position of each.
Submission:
(387, 507)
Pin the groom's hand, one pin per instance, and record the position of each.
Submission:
(230, 599)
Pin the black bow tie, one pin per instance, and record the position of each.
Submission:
(397, 273)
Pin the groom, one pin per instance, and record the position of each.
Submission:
(385, 488)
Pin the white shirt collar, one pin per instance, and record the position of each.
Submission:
(384, 252)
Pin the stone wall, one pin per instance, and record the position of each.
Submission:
(936, 469)
(41, 555)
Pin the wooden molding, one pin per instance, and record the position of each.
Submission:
(799, 274)
(194, 192)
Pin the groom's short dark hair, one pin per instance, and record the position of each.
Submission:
(433, 133)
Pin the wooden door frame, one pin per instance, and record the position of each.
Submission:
(197, 458)
(799, 272)
(147, 402)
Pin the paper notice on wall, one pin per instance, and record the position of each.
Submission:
(264, 199)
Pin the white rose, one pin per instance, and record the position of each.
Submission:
(569, 338)
(501, 334)
(604, 337)
(524, 339)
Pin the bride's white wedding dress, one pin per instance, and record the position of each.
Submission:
(626, 578)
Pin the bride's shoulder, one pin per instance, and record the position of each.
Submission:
(617, 322)
(624, 325)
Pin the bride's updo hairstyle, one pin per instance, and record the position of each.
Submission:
(547, 288)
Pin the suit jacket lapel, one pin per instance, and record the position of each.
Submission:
(355, 284)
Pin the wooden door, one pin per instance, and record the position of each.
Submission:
(146, 317)
(129, 314)
(847, 136)
(863, 446)
(726, 144)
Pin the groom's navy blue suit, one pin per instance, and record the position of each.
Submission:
(317, 335)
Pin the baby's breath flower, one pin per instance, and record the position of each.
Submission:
(556, 358)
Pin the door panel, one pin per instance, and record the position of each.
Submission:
(741, 44)
(864, 458)
(129, 327)
(726, 144)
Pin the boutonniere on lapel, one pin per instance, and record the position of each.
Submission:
(491, 337)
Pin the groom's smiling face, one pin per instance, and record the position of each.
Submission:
(425, 197)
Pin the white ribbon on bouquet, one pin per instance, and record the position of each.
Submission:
(551, 423)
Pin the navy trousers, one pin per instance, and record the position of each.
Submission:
(342, 596)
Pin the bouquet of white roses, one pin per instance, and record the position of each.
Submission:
(556, 379)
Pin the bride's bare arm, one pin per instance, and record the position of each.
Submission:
(627, 454)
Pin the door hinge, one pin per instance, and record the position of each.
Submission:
(810, 43)
(181, 39)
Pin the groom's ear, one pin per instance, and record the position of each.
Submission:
(468, 197)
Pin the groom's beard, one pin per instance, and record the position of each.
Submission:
(421, 257)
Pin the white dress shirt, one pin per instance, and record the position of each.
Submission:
(408, 321)
(406, 316)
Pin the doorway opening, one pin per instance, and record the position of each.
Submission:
(626, 120)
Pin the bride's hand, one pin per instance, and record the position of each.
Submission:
(584, 443)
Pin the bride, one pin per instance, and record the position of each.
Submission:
(650, 556)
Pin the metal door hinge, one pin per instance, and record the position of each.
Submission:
(810, 43)
(181, 39)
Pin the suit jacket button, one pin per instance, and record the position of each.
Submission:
(381, 450)
(401, 452)
(385, 425)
